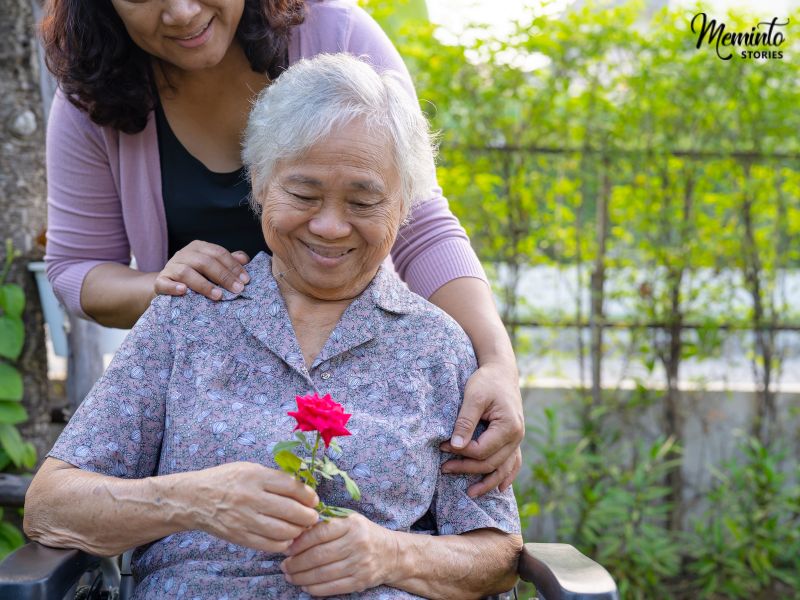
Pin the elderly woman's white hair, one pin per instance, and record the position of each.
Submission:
(315, 97)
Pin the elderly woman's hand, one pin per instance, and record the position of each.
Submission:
(492, 395)
(340, 556)
(252, 505)
(203, 267)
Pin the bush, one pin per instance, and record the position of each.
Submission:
(607, 497)
(748, 542)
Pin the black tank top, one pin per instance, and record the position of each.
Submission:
(201, 204)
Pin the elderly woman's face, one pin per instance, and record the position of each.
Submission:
(331, 216)
(187, 34)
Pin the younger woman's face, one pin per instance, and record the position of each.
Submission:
(189, 35)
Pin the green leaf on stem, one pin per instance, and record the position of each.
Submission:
(12, 336)
(284, 446)
(12, 412)
(301, 436)
(307, 477)
(12, 299)
(337, 511)
(12, 443)
(10, 383)
(328, 468)
(351, 486)
(288, 462)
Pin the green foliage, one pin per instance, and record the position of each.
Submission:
(15, 453)
(10, 537)
(748, 542)
(695, 160)
(607, 498)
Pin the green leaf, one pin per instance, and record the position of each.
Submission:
(12, 336)
(329, 468)
(307, 476)
(351, 486)
(12, 443)
(12, 412)
(288, 462)
(29, 455)
(4, 460)
(12, 299)
(10, 538)
(282, 446)
(336, 511)
(10, 383)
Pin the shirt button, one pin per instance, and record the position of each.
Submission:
(326, 375)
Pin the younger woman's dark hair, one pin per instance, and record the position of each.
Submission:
(104, 73)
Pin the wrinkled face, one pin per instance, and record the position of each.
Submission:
(186, 34)
(331, 216)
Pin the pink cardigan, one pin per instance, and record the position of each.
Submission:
(104, 186)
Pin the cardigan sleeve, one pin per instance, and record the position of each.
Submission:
(85, 226)
(432, 248)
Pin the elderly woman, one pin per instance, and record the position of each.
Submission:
(144, 158)
(171, 450)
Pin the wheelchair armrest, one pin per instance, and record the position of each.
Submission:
(560, 572)
(36, 572)
(12, 489)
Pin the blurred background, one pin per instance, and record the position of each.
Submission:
(636, 202)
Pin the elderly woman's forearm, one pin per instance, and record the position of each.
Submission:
(471, 565)
(67, 507)
(469, 301)
(115, 295)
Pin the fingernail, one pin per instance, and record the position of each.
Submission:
(244, 277)
(457, 441)
(216, 293)
(180, 288)
(237, 287)
(282, 567)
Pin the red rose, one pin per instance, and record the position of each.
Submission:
(320, 414)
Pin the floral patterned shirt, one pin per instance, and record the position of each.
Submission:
(199, 383)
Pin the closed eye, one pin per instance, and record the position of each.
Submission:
(301, 197)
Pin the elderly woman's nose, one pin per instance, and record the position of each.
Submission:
(329, 223)
(181, 12)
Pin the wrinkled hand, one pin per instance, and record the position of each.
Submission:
(492, 394)
(341, 556)
(252, 505)
(203, 267)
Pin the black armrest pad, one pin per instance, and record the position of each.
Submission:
(13, 488)
(560, 572)
(36, 572)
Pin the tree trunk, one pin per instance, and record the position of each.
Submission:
(765, 418)
(22, 198)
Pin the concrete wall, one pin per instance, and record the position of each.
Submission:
(714, 422)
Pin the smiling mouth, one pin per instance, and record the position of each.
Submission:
(197, 33)
(328, 252)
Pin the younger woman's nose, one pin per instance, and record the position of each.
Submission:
(181, 13)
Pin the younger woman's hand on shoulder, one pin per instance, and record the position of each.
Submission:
(204, 268)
